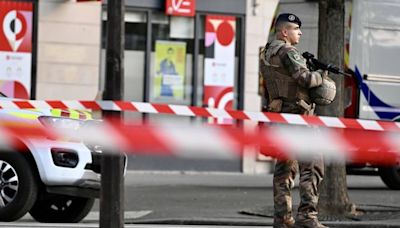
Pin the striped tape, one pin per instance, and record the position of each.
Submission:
(192, 111)
(218, 142)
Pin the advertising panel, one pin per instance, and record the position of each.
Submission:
(170, 62)
(219, 63)
(16, 48)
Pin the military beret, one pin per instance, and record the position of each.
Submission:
(288, 17)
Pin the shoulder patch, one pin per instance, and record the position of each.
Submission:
(295, 58)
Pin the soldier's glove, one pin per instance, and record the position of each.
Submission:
(323, 73)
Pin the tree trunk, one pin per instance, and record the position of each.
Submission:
(334, 199)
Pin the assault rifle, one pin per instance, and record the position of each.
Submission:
(315, 64)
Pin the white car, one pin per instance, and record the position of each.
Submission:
(55, 181)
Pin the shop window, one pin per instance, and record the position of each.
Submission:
(168, 75)
(135, 48)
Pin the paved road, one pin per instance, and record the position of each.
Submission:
(216, 199)
(222, 196)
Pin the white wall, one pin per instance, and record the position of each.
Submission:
(258, 23)
(68, 49)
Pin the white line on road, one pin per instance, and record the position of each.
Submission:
(91, 217)
(94, 216)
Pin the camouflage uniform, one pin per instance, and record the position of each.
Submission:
(287, 81)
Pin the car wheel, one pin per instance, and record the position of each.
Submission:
(391, 176)
(18, 186)
(61, 208)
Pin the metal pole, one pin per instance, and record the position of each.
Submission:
(112, 163)
(195, 75)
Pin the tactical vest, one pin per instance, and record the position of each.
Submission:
(282, 88)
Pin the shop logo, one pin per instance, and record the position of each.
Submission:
(14, 28)
(180, 7)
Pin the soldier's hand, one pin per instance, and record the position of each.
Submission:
(323, 73)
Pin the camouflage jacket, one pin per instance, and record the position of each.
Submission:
(285, 75)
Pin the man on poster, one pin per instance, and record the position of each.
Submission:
(167, 70)
(170, 67)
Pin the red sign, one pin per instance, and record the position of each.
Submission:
(180, 7)
(16, 23)
(16, 26)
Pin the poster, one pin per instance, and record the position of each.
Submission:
(219, 63)
(170, 63)
(16, 48)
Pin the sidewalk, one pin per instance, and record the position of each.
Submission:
(177, 199)
(217, 199)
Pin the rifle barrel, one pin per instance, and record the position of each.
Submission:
(323, 66)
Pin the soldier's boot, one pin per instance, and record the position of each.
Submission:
(311, 174)
(307, 221)
(283, 183)
(284, 222)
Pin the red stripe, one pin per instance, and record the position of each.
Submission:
(270, 146)
(275, 117)
(389, 126)
(198, 111)
(369, 146)
(235, 138)
(162, 108)
(23, 104)
(65, 113)
(240, 115)
(126, 106)
(57, 104)
(91, 105)
(82, 115)
(313, 120)
(141, 139)
(351, 123)
(25, 130)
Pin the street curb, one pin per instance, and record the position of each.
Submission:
(259, 222)
(202, 221)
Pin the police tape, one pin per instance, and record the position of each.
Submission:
(192, 111)
(219, 142)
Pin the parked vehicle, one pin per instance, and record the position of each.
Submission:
(374, 46)
(55, 181)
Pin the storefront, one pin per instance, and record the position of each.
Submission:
(168, 59)
(195, 59)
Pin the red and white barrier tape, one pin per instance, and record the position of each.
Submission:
(192, 111)
(217, 142)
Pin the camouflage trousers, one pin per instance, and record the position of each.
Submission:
(311, 175)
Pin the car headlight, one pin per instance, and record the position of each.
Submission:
(61, 123)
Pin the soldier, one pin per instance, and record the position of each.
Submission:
(287, 84)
